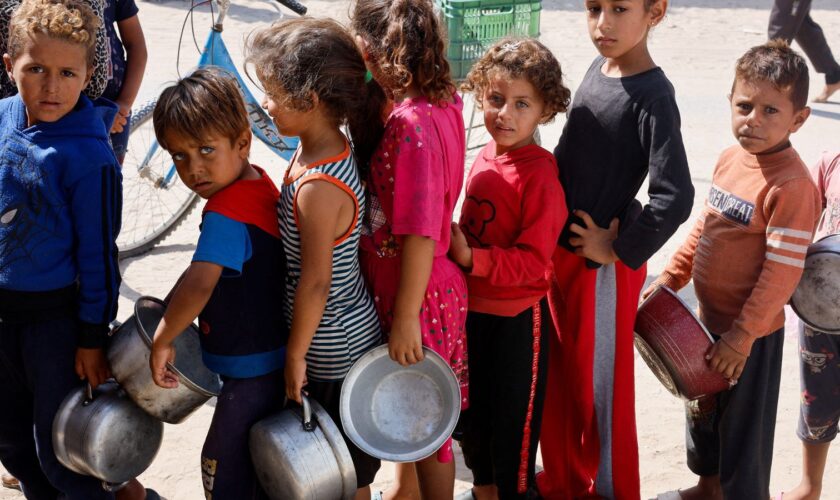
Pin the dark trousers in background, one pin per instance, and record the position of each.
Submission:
(226, 468)
(791, 20)
(37, 372)
(508, 367)
(731, 433)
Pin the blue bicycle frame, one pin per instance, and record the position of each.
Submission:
(216, 54)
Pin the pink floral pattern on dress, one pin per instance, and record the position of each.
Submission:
(415, 178)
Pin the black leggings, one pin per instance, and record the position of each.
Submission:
(508, 359)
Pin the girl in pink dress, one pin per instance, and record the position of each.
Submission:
(415, 178)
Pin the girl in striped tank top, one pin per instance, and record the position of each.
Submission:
(315, 81)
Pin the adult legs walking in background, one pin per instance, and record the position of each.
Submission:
(791, 20)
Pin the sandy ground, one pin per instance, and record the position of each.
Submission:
(696, 45)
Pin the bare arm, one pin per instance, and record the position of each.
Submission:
(131, 34)
(405, 342)
(188, 300)
(321, 209)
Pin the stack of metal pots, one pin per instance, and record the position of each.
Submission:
(113, 432)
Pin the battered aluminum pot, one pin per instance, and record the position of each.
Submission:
(673, 343)
(129, 352)
(102, 433)
(300, 453)
(816, 299)
(397, 413)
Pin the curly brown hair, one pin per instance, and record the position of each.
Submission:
(407, 44)
(298, 58)
(775, 62)
(526, 58)
(69, 20)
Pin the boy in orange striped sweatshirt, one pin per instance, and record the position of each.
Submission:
(746, 254)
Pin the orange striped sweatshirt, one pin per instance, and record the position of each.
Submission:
(747, 250)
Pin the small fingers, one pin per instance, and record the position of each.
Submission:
(577, 229)
(739, 369)
(586, 218)
(728, 370)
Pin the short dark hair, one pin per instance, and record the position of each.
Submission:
(778, 64)
(204, 103)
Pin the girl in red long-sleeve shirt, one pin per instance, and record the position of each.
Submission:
(511, 219)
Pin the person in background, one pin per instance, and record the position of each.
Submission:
(791, 20)
(127, 62)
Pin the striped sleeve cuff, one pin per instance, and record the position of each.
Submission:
(787, 246)
(669, 280)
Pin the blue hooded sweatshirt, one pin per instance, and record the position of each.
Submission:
(60, 205)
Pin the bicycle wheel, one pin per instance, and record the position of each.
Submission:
(155, 201)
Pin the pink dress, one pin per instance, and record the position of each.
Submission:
(415, 179)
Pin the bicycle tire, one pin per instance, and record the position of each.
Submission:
(153, 207)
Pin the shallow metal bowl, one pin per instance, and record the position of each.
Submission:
(396, 413)
(816, 299)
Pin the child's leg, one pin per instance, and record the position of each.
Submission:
(405, 485)
(616, 300)
(748, 422)
(49, 352)
(569, 467)
(226, 467)
(437, 479)
(814, 456)
(17, 443)
(702, 443)
(476, 444)
(519, 358)
(819, 410)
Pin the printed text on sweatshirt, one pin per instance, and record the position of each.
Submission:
(747, 250)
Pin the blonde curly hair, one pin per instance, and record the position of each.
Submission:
(521, 58)
(68, 20)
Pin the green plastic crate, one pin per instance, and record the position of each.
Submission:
(474, 25)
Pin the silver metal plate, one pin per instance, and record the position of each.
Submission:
(401, 414)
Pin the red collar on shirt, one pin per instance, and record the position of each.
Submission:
(250, 202)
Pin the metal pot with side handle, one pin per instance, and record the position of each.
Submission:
(102, 433)
(128, 354)
(300, 453)
(816, 299)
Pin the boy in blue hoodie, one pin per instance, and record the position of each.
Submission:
(60, 198)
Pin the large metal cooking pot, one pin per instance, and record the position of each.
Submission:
(397, 413)
(300, 453)
(673, 343)
(128, 355)
(816, 299)
(102, 433)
